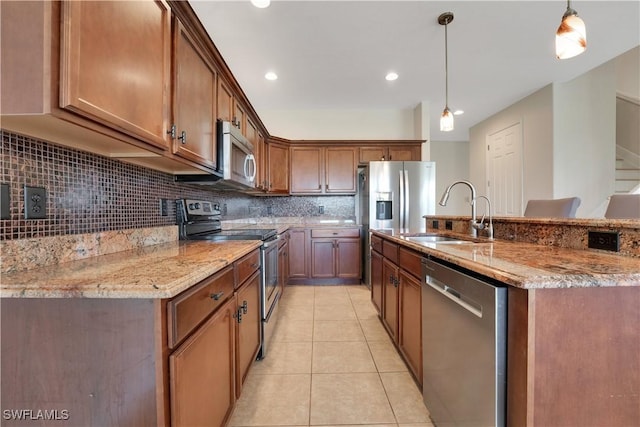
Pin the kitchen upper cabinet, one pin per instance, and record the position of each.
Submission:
(194, 126)
(225, 102)
(278, 172)
(239, 117)
(261, 152)
(340, 170)
(116, 65)
(390, 152)
(323, 170)
(202, 374)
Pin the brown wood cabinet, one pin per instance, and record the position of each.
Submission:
(116, 65)
(410, 311)
(325, 256)
(278, 173)
(298, 253)
(377, 280)
(202, 372)
(390, 152)
(248, 327)
(323, 170)
(390, 290)
(283, 262)
(224, 101)
(195, 87)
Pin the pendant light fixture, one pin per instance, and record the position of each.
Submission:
(446, 121)
(571, 37)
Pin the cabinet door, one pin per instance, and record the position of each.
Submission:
(298, 253)
(262, 161)
(225, 101)
(307, 170)
(116, 65)
(340, 170)
(194, 101)
(410, 337)
(405, 153)
(370, 154)
(323, 258)
(377, 282)
(278, 168)
(239, 117)
(202, 375)
(390, 308)
(248, 328)
(348, 258)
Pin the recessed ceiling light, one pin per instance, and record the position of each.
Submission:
(271, 76)
(458, 112)
(391, 76)
(261, 3)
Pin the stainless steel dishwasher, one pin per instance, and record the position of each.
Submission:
(464, 347)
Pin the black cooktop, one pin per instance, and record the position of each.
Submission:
(236, 234)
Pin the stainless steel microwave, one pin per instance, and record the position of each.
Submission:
(236, 162)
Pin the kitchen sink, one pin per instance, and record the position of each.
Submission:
(433, 238)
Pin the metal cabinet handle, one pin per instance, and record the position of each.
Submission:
(238, 315)
(217, 296)
(244, 307)
(172, 132)
(183, 137)
(254, 265)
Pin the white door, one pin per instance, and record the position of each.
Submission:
(504, 171)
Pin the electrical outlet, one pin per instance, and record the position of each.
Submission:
(434, 224)
(321, 210)
(35, 202)
(607, 240)
(448, 225)
(164, 207)
(5, 202)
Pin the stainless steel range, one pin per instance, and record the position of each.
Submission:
(200, 220)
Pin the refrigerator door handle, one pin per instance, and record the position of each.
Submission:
(402, 201)
(406, 199)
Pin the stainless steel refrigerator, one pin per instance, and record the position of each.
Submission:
(395, 196)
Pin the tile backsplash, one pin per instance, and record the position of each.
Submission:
(89, 193)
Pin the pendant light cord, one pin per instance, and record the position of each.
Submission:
(446, 67)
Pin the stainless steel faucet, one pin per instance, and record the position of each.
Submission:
(481, 225)
(473, 224)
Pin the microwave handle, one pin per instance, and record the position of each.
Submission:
(250, 167)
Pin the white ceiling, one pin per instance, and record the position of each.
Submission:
(335, 54)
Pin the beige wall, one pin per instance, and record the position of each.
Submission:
(452, 164)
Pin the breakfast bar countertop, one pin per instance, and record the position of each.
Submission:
(156, 271)
(530, 266)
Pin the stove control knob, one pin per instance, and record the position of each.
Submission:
(191, 207)
(197, 205)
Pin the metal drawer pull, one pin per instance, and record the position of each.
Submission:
(238, 315)
(244, 307)
(217, 296)
(254, 265)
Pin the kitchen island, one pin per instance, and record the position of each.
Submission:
(573, 325)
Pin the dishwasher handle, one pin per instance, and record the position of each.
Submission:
(454, 295)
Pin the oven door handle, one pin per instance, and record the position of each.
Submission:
(271, 242)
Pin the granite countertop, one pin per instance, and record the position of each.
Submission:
(156, 271)
(530, 266)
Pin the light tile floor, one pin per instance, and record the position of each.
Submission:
(330, 363)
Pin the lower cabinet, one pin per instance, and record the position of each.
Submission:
(325, 256)
(247, 316)
(390, 295)
(396, 292)
(201, 372)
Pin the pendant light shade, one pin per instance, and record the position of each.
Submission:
(571, 37)
(446, 121)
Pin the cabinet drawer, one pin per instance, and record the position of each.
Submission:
(390, 251)
(245, 267)
(190, 308)
(335, 232)
(410, 261)
(376, 244)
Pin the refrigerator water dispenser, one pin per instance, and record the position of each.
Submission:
(384, 209)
